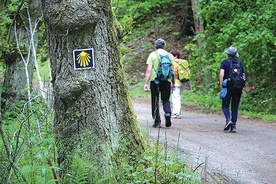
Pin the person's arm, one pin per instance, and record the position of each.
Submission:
(147, 77)
(173, 68)
(221, 75)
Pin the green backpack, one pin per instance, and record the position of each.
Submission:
(183, 70)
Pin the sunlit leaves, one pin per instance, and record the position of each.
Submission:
(248, 25)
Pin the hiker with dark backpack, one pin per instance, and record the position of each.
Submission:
(159, 73)
(182, 75)
(232, 73)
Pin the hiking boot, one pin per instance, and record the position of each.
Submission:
(233, 129)
(168, 121)
(157, 124)
(228, 125)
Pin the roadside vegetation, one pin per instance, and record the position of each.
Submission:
(28, 151)
(29, 155)
(249, 26)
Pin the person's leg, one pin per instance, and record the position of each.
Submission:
(234, 109)
(165, 89)
(225, 106)
(181, 94)
(155, 104)
(176, 99)
(225, 110)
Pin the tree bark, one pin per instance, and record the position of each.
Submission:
(93, 110)
(199, 28)
(20, 64)
(187, 22)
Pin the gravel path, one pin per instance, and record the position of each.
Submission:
(248, 156)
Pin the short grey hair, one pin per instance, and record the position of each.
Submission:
(160, 43)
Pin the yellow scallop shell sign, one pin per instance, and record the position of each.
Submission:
(83, 58)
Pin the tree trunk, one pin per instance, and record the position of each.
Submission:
(20, 65)
(93, 110)
(199, 28)
(187, 27)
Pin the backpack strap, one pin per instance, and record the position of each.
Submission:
(229, 61)
(238, 62)
(158, 56)
(159, 60)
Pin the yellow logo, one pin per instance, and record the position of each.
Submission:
(83, 59)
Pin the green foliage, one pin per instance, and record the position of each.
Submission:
(131, 12)
(145, 17)
(7, 12)
(31, 145)
(138, 9)
(9, 18)
(28, 132)
(155, 165)
(44, 71)
(249, 26)
(210, 102)
(138, 91)
(80, 172)
(158, 165)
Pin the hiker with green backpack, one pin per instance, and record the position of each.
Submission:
(159, 74)
(182, 73)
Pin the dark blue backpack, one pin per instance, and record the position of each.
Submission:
(236, 78)
(164, 71)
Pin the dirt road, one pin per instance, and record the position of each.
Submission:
(245, 157)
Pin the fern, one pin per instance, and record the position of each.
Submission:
(78, 172)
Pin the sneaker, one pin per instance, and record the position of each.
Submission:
(233, 129)
(168, 121)
(228, 125)
(176, 116)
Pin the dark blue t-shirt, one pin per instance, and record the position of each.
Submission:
(226, 65)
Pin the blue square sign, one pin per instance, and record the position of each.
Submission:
(83, 59)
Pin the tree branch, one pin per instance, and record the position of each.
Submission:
(12, 165)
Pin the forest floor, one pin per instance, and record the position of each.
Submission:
(248, 156)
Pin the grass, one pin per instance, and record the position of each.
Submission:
(207, 103)
(35, 152)
(137, 90)
(43, 71)
(159, 164)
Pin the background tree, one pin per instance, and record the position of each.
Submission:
(19, 39)
(249, 26)
(93, 113)
(23, 124)
(199, 28)
(189, 25)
